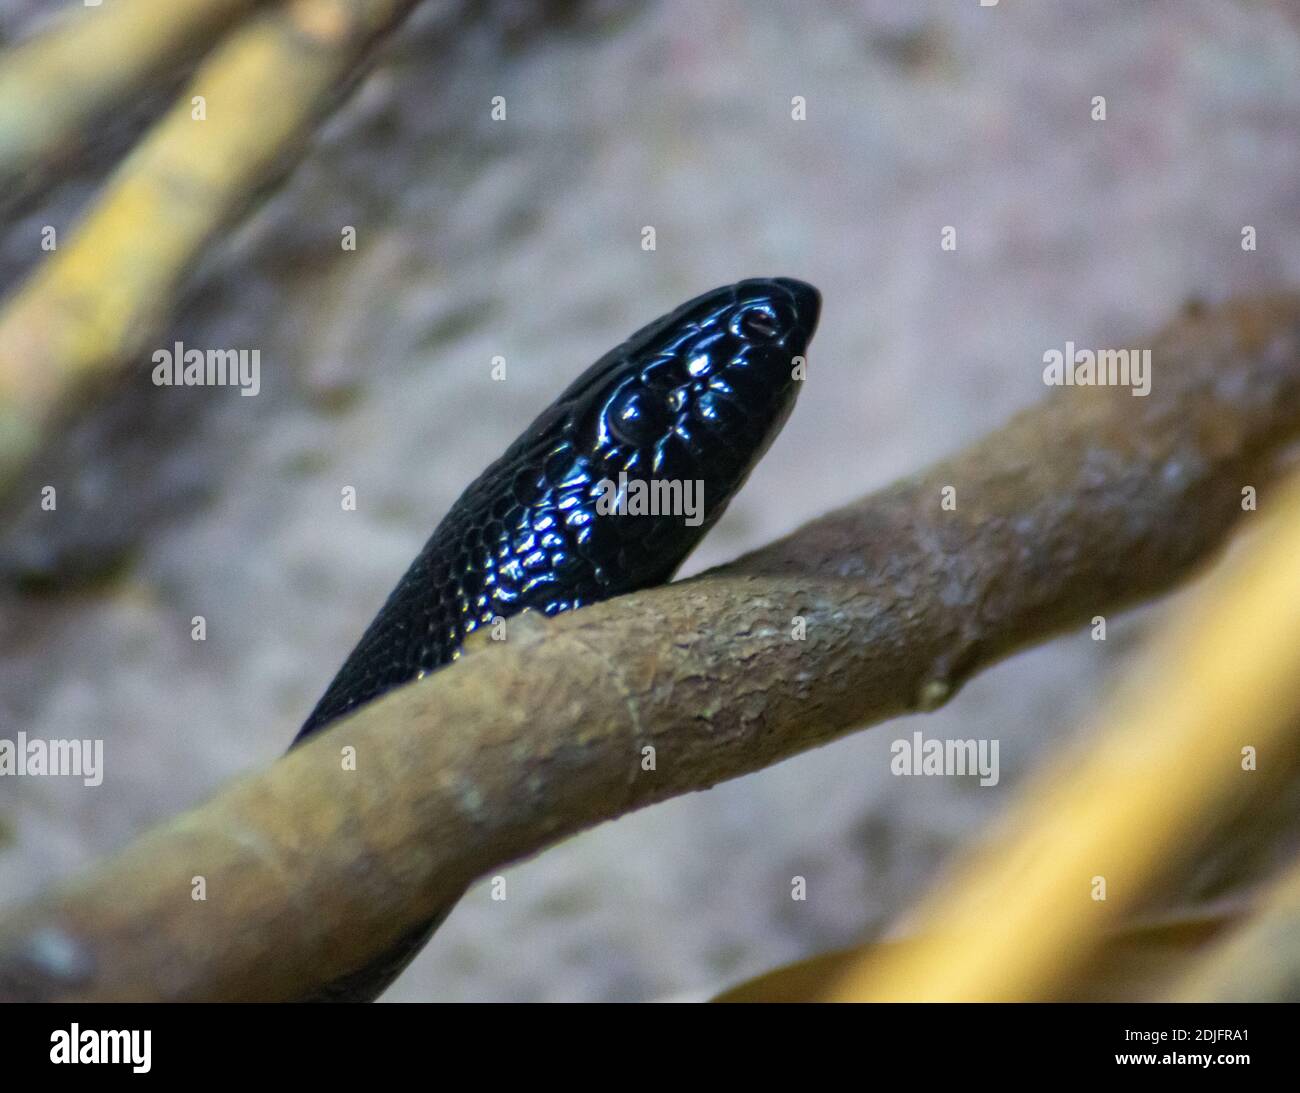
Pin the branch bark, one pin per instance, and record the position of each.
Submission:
(1091, 500)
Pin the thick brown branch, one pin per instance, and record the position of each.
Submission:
(1093, 499)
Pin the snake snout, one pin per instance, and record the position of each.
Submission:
(807, 304)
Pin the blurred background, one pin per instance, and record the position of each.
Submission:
(522, 238)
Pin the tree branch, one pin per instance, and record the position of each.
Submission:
(1091, 500)
(54, 85)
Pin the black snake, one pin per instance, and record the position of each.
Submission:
(695, 398)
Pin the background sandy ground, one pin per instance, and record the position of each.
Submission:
(522, 238)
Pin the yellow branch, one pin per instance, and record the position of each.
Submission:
(1261, 961)
(102, 294)
(84, 64)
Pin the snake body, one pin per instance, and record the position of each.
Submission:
(697, 396)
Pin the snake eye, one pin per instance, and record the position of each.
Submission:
(637, 416)
(757, 323)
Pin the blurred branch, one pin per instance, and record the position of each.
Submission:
(1091, 500)
(1261, 961)
(55, 84)
(1205, 730)
(1135, 963)
(101, 295)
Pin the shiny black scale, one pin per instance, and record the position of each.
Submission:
(697, 395)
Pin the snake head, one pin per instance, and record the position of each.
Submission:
(691, 403)
(702, 392)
